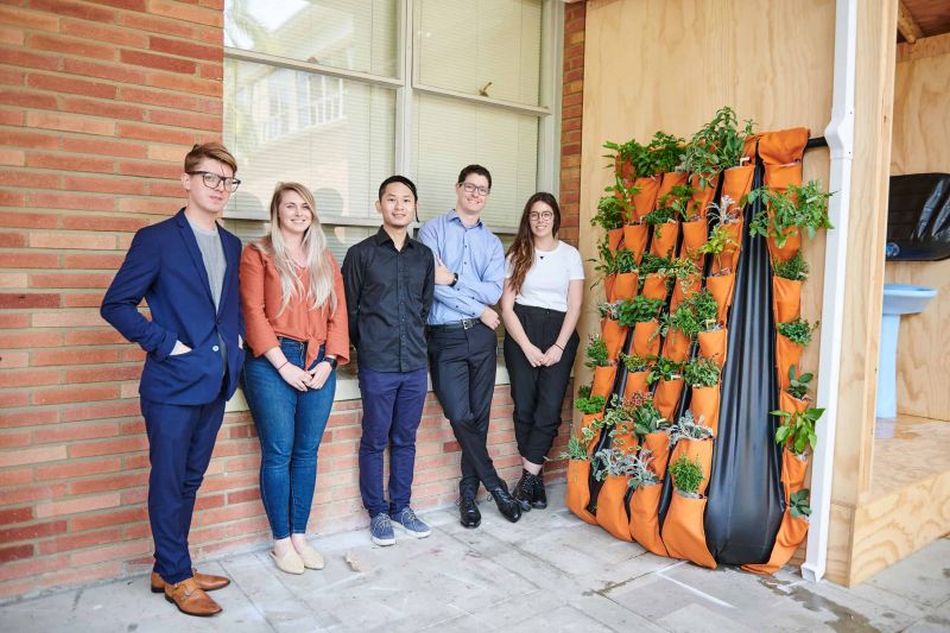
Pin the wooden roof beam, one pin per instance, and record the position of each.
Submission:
(907, 25)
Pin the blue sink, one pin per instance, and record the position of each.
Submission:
(899, 299)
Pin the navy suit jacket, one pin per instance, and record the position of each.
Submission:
(164, 267)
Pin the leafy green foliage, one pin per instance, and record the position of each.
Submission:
(797, 383)
(687, 475)
(795, 268)
(589, 404)
(664, 369)
(716, 146)
(640, 472)
(798, 331)
(596, 353)
(647, 419)
(701, 372)
(666, 152)
(653, 264)
(799, 503)
(634, 363)
(576, 449)
(687, 427)
(719, 240)
(609, 214)
(797, 430)
(638, 310)
(704, 308)
(804, 208)
(672, 206)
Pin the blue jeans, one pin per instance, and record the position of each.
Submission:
(290, 424)
(392, 410)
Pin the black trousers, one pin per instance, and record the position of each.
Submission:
(538, 392)
(462, 365)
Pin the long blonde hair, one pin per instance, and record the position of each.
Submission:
(322, 290)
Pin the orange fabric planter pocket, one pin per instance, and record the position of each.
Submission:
(787, 354)
(614, 335)
(786, 299)
(587, 422)
(788, 402)
(646, 339)
(645, 198)
(654, 286)
(603, 381)
(676, 346)
(644, 522)
(667, 396)
(612, 509)
(635, 239)
(694, 236)
(793, 244)
(728, 259)
(670, 179)
(609, 282)
(699, 451)
(578, 489)
(793, 473)
(713, 345)
(783, 146)
(791, 534)
(626, 286)
(704, 403)
(722, 288)
(659, 444)
(684, 289)
(779, 177)
(614, 237)
(737, 182)
(636, 383)
(664, 240)
(702, 196)
(683, 533)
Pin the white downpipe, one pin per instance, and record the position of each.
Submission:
(840, 137)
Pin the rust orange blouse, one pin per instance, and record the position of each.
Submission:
(260, 302)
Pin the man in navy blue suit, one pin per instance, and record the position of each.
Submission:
(186, 269)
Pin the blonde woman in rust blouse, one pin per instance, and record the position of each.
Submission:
(295, 315)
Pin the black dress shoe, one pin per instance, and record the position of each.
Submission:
(539, 498)
(509, 508)
(469, 515)
(524, 491)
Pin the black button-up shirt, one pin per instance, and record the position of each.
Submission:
(388, 297)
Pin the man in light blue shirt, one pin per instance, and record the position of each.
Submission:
(469, 274)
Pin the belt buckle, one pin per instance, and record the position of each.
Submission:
(468, 324)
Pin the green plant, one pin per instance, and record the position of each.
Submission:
(804, 207)
(682, 319)
(797, 384)
(799, 503)
(716, 146)
(647, 419)
(727, 212)
(609, 214)
(638, 310)
(797, 331)
(664, 369)
(640, 473)
(704, 308)
(687, 476)
(586, 404)
(576, 449)
(653, 264)
(795, 268)
(639, 156)
(797, 429)
(634, 363)
(666, 152)
(611, 461)
(687, 427)
(701, 372)
(596, 353)
(719, 240)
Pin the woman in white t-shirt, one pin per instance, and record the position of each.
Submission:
(544, 286)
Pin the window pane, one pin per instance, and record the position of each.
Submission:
(335, 136)
(463, 45)
(351, 34)
(450, 134)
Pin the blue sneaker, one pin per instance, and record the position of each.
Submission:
(381, 530)
(413, 525)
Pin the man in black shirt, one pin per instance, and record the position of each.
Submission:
(388, 279)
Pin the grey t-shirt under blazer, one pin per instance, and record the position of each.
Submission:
(212, 254)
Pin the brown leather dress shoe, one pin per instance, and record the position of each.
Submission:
(205, 581)
(191, 599)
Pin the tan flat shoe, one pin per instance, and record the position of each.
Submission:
(312, 559)
(289, 563)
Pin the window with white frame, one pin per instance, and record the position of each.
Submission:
(340, 94)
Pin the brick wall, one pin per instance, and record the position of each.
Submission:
(99, 101)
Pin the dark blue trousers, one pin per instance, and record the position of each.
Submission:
(180, 439)
(392, 410)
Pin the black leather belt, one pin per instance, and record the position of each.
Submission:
(464, 324)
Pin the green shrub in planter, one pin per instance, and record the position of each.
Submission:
(634, 363)
(596, 353)
(640, 473)
(799, 503)
(664, 369)
(576, 450)
(688, 428)
(797, 383)
(798, 429)
(795, 268)
(701, 372)
(687, 476)
(804, 208)
(797, 331)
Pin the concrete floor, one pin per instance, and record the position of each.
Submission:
(548, 573)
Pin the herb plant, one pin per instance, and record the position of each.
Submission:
(647, 419)
(666, 152)
(797, 430)
(799, 503)
(597, 352)
(653, 264)
(638, 310)
(797, 384)
(804, 207)
(701, 372)
(640, 472)
(798, 331)
(611, 461)
(609, 214)
(795, 268)
(704, 308)
(716, 146)
(634, 363)
(687, 427)
(664, 369)
(587, 404)
(687, 476)
(575, 449)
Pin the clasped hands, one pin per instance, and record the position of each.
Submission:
(537, 358)
(301, 379)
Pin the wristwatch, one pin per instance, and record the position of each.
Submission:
(454, 281)
(330, 360)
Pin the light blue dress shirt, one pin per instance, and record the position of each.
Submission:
(476, 254)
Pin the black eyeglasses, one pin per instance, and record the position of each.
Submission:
(211, 180)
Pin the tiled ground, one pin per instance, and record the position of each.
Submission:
(548, 573)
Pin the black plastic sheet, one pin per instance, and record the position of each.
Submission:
(918, 217)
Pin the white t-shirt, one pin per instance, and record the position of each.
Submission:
(545, 285)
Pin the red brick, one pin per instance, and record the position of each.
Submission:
(108, 222)
(111, 482)
(108, 447)
(108, 109)
(149, 169)
(79, 541)
(67, 394)
(190, 85)
(70, 46)
(186, 49)
(93, 261)
(29, 300)
(11, 359)
(118, 73)
(101, 410)
(211, 71)
(102, 336)
(32, 455)
(30, 339)
(104, 33)
(21, 259)
(12, 240)
(105, 147)
(160, 62)
(160, 98)
(160, 25)
(12, 77)
(12, 36)
(109, 552)
(28, 377)
(70, 123)
(68, 432)
(77, 468)
(10, 516)
(154, 133)
(16, 476)
(30, 19)
(15, 552)
(32, 532)
(187, 13)
(71, 280)
(82, 300)
(103, 519)
(61, 507)
(12, 157)
(102, 374)
(16, 56)
(184, 119)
